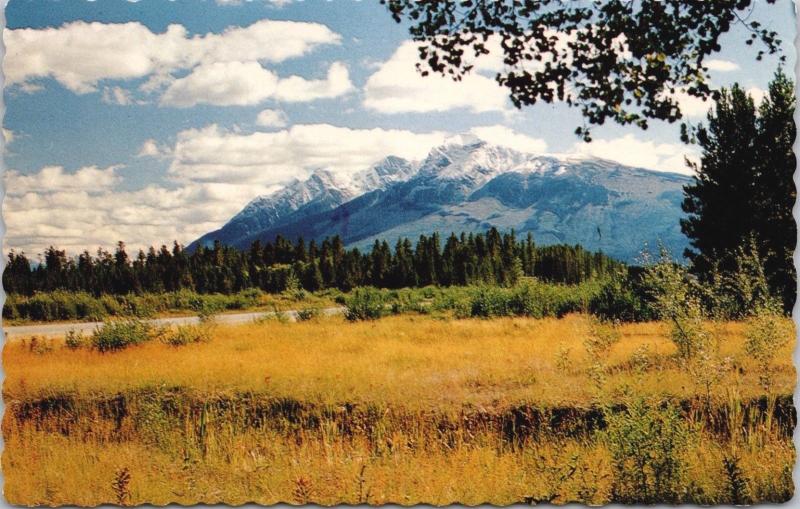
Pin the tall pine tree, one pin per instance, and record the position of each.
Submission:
(743, 186)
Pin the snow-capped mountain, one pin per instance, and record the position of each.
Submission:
(469, 185)
(321, 191)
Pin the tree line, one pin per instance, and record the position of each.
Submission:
(491, 258)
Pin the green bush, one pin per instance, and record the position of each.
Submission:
(185, 335)
(75, 340)
(409, 301)
(365, 303)
(490, 301)
(119, 334)
(62, 305)
(767, 332)
(532, 299)
(617, 299)
(308, 313)
(648, 445)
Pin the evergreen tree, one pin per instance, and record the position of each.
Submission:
(775, 191)
(466, 259)
(743, 186)
(716, 203)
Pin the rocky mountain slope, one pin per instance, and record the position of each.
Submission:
(469, 185)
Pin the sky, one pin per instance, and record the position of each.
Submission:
(156, 120)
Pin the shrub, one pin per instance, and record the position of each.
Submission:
(297, 294)
(617, 300)
(119, 334)
(185, 335)
(490, 301)
(602, 336)
(767, 331)
(737, 481)
(95, 310)
(40, 346)
(75, 340)
(365, 303)
(532, 299)
(675, 299)
(648, 446)
(206, 315)
(411, 301)
(62, 305)
(308, 313)
(740, 291)
(527, 300)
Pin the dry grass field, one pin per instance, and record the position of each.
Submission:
(402, 409)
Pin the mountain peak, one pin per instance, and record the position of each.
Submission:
(466, 184)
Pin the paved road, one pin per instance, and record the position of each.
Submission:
(59, 329)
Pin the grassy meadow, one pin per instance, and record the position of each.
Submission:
(402, 409)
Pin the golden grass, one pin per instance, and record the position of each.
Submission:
(269, 467)
(415, 362)
(408, 409)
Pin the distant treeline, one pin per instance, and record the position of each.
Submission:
(492, 258)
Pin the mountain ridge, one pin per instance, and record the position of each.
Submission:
(469, 185)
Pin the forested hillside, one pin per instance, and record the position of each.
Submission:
(431, 260)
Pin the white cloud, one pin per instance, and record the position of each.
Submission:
(79, 55)
(89, 179)
(248, 83)
(151, 148)
(216, 173)
(268, 158)
(631, 151)
(8, 136)
(504, 136)
(222, 84)
(692, 106)
(757, 93)
(720, 65)
(271, 118)
(397, 87)
(297, 89)
(117, 95)
(77, 219)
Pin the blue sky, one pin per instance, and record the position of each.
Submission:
(158, 120)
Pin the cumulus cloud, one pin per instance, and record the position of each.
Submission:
(215, 173)
(151, 148)
(79, 54)
(271, 118)
(248, 83)
(716, 64)
(504, 136)
(77, 219)
(397, 87)
(86, 209)
(89, 179)
(212, 154)
(632, 151)
(692, 106)
(222, 84)
(297, 89)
